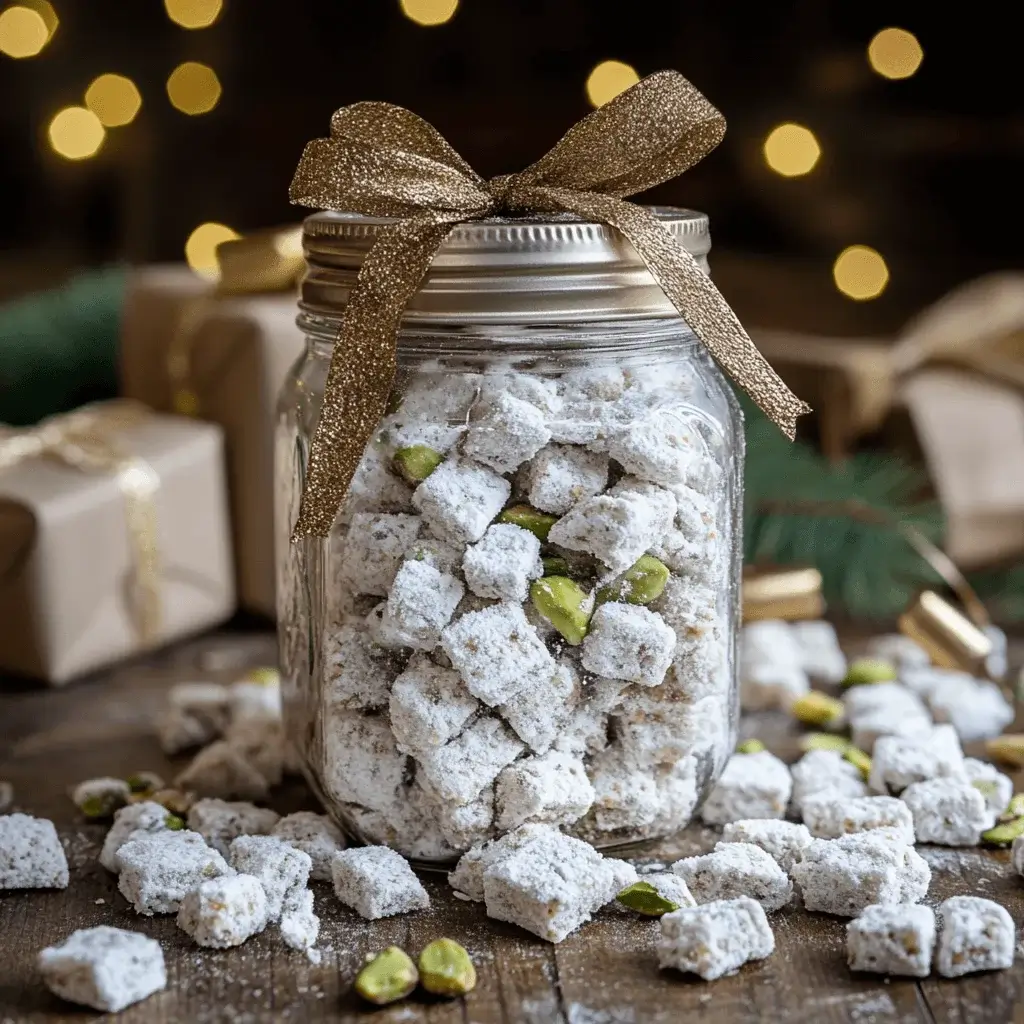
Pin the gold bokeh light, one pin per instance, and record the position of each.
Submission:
(201, 247)
(608, 79)
(114, 99)
(791, 150)
(23, 32)
(895, 53)
(860, 273)
(193, 88)
(193, 13)
(76, 133)
(429, 12)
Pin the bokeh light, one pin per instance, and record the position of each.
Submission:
(429, 12)
(193, 88)
(860, 273)
(23, 32)
(895, 53)
(608, 79)
(76, 133)
(791, 150)
(193, 13)
(201, 247)
(114, 99)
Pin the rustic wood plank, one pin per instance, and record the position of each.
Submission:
(604, 974)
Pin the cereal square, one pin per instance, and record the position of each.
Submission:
(891, 939)
(281, 868)
(224, 912)
(751, 786)
(501, 565)
(561, 475)
(736, 869)
(975, 934)
(31, 856)
(628, 642)
(377, 882)
(460, 499)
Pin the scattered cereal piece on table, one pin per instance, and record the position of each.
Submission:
(751, 786)
(221, 770)
(314, 834)
(821, 656)
(281, 868)
(825, 771)
(467, 877)
(146, 816)
(888, 939)
(196, 714)
(976, 708)
(715, 939)
(105, 968)
(829, 816)
(784, 841)
(949, 812)
(31, 856)
(736, 869)
(995, 787)
(299, 925)
(899, 761)
(159, 869)
(221, 821)
(552, 884)
(896, 647)
(224, 912)
(99, 798)
(975, 934)
(377, 882)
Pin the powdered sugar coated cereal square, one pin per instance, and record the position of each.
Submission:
(31, 856)
(825, 771)
(281, 868)
(658, 448)
(507, 432)
(460, 499)
(715, 939)
(377, 882)
(299, 926)
(784, 841)
(975, 934)
(561, 475)
(502, 564)
(468, 876)
(947, 811)
(736, 869)
(358, 670)
(362, 764)
(224, 912)
(829, 816)
(899, 761)
(890, 939)
(540, 713)
(374, 548)
(995, 787)
(105, 968)
(552, 788)
(420, 604)
(628, 642)
(821, 656)
(141, 817)
(316, 835)
(429, 705)
(615, 529)
(221, 821)
(497, 652)
(751, 786)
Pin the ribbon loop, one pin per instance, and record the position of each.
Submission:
(382, 160)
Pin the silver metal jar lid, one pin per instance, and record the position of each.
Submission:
(497, 271)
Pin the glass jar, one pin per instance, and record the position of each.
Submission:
(527, 610)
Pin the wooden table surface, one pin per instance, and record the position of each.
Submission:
(606, 973)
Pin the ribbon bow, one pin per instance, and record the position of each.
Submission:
(384, 161)
(87, 440)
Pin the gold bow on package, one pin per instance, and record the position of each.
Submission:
(219, 350)
(958, 370)
(382, 160)
(113, 538)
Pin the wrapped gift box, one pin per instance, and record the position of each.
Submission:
(220, 355)
(73, 595)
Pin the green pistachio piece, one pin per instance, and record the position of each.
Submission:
(388, 977)
(641, 583)
(144, 782)
(1014, 809)
(1004, 834)
(824, 741)
(751, 746)
(100, 806)
(645, 899)
(446, 969)
(555, 566)
(416, 462)
(538, 523)
(563, 602)
(264, 676)
(174, 823)
(865, 671)
(817, 708)
(858, 759)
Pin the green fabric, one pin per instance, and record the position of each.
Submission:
(58, 349)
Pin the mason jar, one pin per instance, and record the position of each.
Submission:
(527, 608)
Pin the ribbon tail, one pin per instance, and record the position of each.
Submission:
(363, 365)
(696, 298)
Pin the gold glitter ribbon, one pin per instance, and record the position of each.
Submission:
(87, 440)
(384, 161)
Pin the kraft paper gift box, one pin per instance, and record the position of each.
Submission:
(220, 354)
(100, 563)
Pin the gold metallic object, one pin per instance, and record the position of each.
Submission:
(949, 637)
(782, 592)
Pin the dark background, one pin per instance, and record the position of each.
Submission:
(927, 170)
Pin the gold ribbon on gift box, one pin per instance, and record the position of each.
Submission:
(87, 440)
(260, 263)
(384, 161)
